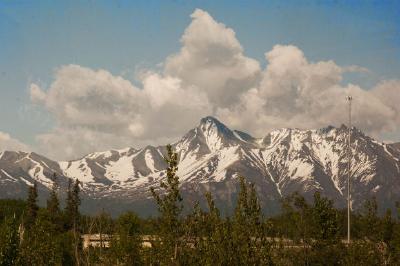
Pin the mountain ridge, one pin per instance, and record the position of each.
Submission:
(211, 157)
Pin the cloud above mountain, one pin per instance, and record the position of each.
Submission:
(294, 92)
(210, 75)
(9, 143)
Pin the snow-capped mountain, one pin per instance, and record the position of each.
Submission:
(212, 156)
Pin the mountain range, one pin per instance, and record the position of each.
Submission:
(211, 158)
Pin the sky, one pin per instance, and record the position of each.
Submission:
(84, 76)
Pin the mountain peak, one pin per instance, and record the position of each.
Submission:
(210, 120)
(210, 123)
(218, 135)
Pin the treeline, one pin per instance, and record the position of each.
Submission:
(303, 234)
(30, 235)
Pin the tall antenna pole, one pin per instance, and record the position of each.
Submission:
(349, 99)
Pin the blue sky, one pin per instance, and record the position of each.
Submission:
(38, 37)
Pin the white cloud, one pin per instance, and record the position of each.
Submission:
(212, 59)
(210, 75)
(11, 144)
(294, 92)
(388, 92)
(37, 95)
(355, 68)
(95, 110)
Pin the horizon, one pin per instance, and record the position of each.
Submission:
(82, 77)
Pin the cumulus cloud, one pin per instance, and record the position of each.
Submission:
(11, 144)
(95, 110)
(210, 75)
(212, 59)
(294, 92)
(388, 92)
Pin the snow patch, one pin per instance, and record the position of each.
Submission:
(99, 165)
(8, 175)
(26, 181)
(37, 173)
(120, 170)
(78, 170)
(148, 157)
(299, 169)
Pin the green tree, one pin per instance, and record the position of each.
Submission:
(9, 242)
(170, 207)
(248, 236)
(369, 221)
(72, 207)
(126, 241)
(388, 231)
(44, 243)
(327, 249)
(32, 207)
(395, 243)
(326, 219)
(53, 204)
(72, 217)
(211, 234)
(11, 207)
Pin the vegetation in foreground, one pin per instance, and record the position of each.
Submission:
(304, 234)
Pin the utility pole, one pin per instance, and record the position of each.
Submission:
(349, 99)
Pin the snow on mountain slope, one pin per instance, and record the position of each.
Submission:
(211, 157)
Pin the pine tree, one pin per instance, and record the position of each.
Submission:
(53, 204)
(32, 207)
(73, 202)
(170, 208)
(69, 207)
(72, 216)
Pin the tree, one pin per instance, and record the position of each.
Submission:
(72, 207)
(170, 208)
(32, 207)
(11, 207)
(72, 216)
(326, 249)
(369, 221)
(9, 242)
(388, 237)
(53, 204)
(213, 235)
(126, 241)
(43, 243)
(325, 218)
(252, 247)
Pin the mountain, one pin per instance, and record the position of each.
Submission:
(211, 157)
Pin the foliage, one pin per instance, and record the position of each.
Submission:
(32, 207)
(170, 207)
(11, 207)
(9, 241)
(305, 233)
